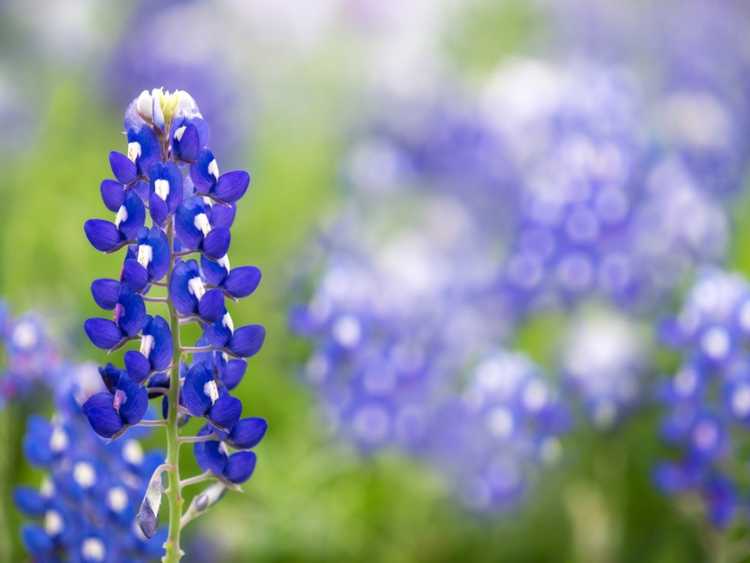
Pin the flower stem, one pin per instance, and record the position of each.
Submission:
(173, 553)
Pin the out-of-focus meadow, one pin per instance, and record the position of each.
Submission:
(297, 84)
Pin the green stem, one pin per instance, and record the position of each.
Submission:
(173, 553)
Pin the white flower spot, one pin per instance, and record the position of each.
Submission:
(25, 335)
(213, 169)
(196, 287)
(347, 331)
(161, 187)
(53, 523)
(179, 133)
(535, 396)
(132, 452)
(500, 421)
(84, 474)
(147, 344)
(224, 261)
(202, 224)
(211, 391)
(117, 499)
(134, 150)
(122, 216)
(741, 401)
(705, 435)
(145, 255)
(715, 343)
(47, 489)
(59, 440)
(93, 549)
(227, 322)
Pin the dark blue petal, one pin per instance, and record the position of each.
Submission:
(182, 298)
(233, 372)
(242, 281)
(216, 243)
(113, 194)
(157, 240)
(136, 216)
(189, 234)
(226, 411)
(133, 408)
(193, 395)
(110, 376)
(105, 292)
(247, 340)
(158, 209)
(36, 541)
(150, 150)
(130, 312)
(213, 272)
(161, 354)
(231, 186)
(103, 333)
(248, 432)
(103, 235)
(134, 275)
(199, 173)
(217, 334)
(240, 466)
(222, 215)
(188, 145)
(211, 307)
(209, 455)
(102, 415)
(29, 501)
(141, 188)
(123, 168)
(137, 365)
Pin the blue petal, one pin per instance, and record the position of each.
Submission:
(103, 235)
(183, 300)
(133, 409)
(247, 340)
(36, 541)
(213, 272)
(193, 395)
(226, 411)
(189, 144)
(158, 209)
(29, 501)
(231, 186)
(123, 168)
(161, 354)
(150, 149)
(216, 243)
(242, 281)
(131, 313)
(103, 333)
(102, 416)
(136, 216)
(217, 334)
(105, 292)
(134, 275)
(159, 244)
(209, 455)
(222, 215)
(202, 179)
(137, 365)
(110, 376)
(233, 373)
(211, 307)
(113, 194)
(248, 432)
(189, 234)
(240, 467)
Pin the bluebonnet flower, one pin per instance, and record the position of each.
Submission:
(144, 53)
(604, 361)
(492, 440)
(593, 189)
(708, 399)
(85, 509)
(31, 356)
(170, 171)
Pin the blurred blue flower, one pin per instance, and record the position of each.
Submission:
(85, 509)
(708, 399)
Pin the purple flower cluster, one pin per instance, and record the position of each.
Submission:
(171, 177)
(31, 358)
(708, 398)
(85, 509)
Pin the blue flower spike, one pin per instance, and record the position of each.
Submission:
(175, 271)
